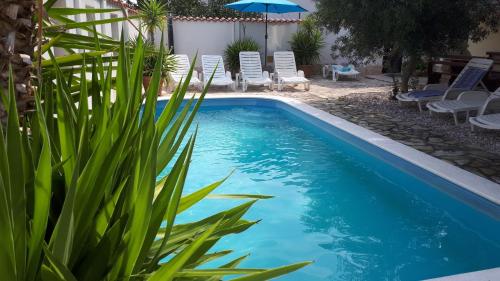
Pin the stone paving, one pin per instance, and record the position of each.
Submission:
(366, 103)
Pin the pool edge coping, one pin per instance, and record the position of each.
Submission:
(478, 185)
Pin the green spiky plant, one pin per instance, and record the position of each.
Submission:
(80, 193)
(307, 42)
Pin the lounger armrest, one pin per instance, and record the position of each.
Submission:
(265, 74)
(300, 73)
(442, 87)
(276, 75)
(473, 95)
(453, 93)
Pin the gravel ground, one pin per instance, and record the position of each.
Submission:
(442, 124)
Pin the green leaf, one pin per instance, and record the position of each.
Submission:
(239, 196)
(43, 189)
(74, 25)
(57, 267)
(77, 11)
(168, 270)
(272, 273)
(17, 196)
(195, 197)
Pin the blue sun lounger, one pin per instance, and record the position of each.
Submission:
(468, 79)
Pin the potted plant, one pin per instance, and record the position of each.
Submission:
(232, 52)
(306, 43)
(150, 59)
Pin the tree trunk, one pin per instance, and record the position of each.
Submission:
(151, 35)
(408, 70)
(16, 49)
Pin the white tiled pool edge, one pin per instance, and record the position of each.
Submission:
(473, 183)
(482, 275)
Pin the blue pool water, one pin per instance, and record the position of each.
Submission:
(356, 217)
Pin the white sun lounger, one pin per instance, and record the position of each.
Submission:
(181, 71)
(484, 119)
(285, 71)
(468, 79)
(211, 63)
(466, 102)
(251, 71)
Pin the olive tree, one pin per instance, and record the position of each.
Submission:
(407, 28)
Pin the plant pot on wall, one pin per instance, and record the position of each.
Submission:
(146, 80)
(308, 70)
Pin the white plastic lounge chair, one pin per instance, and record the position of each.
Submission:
(285, 71)
(486, 120)
(339, 70)
(468, 79)
(181, 71)
(251, 71)
(466, 102)
(221, 77)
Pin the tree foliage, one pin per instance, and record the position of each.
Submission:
(410, 28)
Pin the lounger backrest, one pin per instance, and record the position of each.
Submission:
(472, 74)
(250, 64)
(284, 64)
(210, 63)
(492, 103)
(182, 67)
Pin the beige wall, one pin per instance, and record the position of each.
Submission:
(490, 44)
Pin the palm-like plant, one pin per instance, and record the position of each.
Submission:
(307, 42)
(80, 192)
(153, 14)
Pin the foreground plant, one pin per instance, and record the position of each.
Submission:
(80, 197)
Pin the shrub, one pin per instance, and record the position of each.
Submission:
(232, 52)
(80, 187)
(307, 42)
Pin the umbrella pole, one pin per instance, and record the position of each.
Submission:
(265, 49)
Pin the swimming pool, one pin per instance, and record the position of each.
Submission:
(341, 199)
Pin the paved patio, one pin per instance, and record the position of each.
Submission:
(366, 103)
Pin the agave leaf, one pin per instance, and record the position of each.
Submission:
(163, 201)
(272, 273)
(193, 198)
(168, 270)
(7, 251)
(17, 189)
(207, 258)
(217, 272)
(87, 24)
(57, 267)
(77, 11)
(42, 190)
(239, 196)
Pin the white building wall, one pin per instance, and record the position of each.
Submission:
(204, 38)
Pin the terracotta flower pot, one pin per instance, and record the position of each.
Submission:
(146, 80)
(308, 70)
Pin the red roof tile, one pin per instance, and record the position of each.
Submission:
(216, 19)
